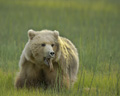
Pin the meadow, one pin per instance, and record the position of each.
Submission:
(92, 25)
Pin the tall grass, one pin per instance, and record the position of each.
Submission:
(92, 25)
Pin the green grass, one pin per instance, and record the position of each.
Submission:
(92, 25)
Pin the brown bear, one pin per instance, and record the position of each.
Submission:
(47, 59)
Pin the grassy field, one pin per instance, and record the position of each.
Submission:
(92, 25)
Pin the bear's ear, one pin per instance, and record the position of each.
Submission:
(56, 34)
(31, 34)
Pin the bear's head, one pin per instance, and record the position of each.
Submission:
(43, 45)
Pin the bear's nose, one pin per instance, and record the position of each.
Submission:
(52, 54)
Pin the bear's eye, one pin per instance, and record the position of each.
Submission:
(43, 44)
(52, 45)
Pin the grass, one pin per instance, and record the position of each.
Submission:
(92, 25)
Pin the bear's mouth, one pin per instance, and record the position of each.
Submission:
(47, 61)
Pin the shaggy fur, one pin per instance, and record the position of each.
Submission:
(63, 68)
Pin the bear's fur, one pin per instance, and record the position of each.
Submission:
(38, 67)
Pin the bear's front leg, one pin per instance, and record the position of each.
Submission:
(66, 81)
(29, 76)
(27, 82)
(19, 81)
